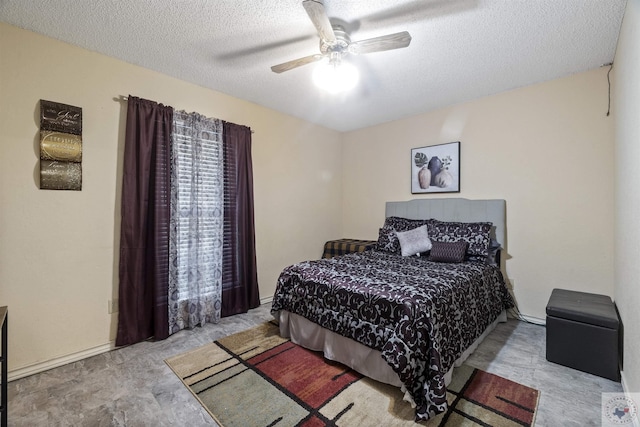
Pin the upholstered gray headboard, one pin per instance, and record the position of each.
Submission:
(455, 209)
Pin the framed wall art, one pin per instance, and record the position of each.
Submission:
(436, 169)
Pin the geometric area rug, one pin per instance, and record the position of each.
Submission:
(256, 378)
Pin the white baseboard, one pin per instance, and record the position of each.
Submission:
(623, 382)
(36, 368)
(266, 300)
(58, 361)
(527, 318)
(535, 320)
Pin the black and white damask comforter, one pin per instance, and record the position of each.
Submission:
(420, 314)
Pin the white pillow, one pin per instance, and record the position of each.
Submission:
(414, 241)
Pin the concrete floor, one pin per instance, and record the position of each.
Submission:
(132, 386)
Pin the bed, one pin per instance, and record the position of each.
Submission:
(398, 317)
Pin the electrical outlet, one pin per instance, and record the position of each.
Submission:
(113, 306)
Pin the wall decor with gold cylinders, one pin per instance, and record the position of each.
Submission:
(60, 146)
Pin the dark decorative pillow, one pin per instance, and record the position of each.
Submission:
(492, 259)
(448, 251)
(388, 240)
(405, 224)
(475, 234)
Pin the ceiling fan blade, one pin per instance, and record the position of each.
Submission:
(315, 10)
(378, 44)
(290, 65)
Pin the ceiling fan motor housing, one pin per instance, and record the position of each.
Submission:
(339, 47)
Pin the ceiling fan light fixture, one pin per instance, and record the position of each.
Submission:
(335, 76)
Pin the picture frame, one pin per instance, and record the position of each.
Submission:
(436, 168)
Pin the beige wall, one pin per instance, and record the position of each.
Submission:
(57, 248)
(626, 111)
(546, 149)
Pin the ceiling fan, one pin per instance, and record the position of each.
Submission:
(335, 42)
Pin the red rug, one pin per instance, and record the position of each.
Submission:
(257, 378)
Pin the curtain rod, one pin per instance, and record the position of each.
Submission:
(126, 98)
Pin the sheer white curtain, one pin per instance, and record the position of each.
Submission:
(196, 232)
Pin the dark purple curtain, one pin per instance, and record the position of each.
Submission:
(239, 273)
(144, 234)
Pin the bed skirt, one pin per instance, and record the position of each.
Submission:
(365, 360)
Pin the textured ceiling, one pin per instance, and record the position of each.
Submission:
(461, 49)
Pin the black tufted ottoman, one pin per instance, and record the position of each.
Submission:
(583, 332)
